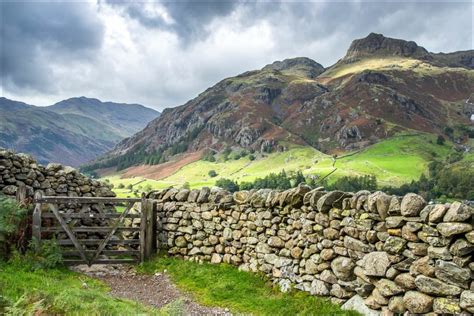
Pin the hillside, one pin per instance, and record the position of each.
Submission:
(72, 131)
(382, 87)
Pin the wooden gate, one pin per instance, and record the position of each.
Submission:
(105, 246)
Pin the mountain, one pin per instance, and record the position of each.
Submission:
(72, 131)
(380, 88)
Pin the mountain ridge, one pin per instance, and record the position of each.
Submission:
(368, 95)
(53, 134)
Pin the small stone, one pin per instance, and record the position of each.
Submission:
(216, 258)
(376, 263)
(325, 202)
(437, 213)
(357, 304)
(394, 245)
(319, 288)
(439, 253)
(406, 281)
(412, 204)
(458, 212)
(328, 277)
(180, 241)
(343, 268)
(451, 229)
(296, 252)
(388, 288)
(467, 301)
(443, 305)
(435, 286)
(461, 247)
(275, 241)
(422, 266)
(396, 305)
(418, 303)
(394, 221)
(357, 245)
(452, 274)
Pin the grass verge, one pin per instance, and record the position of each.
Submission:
(241, 292)
(59, 291)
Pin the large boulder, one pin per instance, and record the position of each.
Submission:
(412, 204)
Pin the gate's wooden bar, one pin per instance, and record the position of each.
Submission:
(112, 232)
(82, 200)
(104, 252)
(93, 242)
(92, 215)
(88, 229)
(55, 210)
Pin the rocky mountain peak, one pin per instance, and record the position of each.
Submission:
(302, 65)
(379, 45)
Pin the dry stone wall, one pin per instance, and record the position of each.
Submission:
(53, 180)
(21, 170)
(394, 254)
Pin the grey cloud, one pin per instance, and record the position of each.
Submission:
(35, 35)
(190, 16)
(155, 69)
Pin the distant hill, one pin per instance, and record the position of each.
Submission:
(380, 88)
(72, 131)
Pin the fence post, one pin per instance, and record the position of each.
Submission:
(143, 225)
(150, 235)
(21, 194)
(36, 225)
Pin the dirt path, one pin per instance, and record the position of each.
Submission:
(153, 290)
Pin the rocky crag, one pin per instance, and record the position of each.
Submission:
(371, 250)
(52, 180)
(381, 87)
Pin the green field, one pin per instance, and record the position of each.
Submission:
(395, 161)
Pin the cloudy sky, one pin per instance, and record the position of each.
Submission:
(163, 53)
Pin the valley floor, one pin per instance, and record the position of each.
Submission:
(395, 161)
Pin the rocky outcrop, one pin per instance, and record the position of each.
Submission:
(385, 252)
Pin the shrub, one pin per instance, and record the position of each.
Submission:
(251, 157)
(121, 186)
(227, 184)
(13, 225)
(44, 255)
(354, 184)
(212, 173)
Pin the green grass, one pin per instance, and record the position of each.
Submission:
(241, 292)
(394, 161)
(60, 291)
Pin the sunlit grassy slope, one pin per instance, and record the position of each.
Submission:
(389, 63)
(395, 161)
